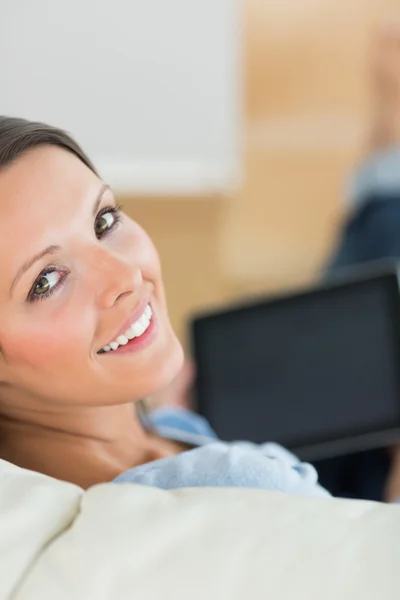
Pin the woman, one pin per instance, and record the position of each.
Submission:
(84, 332)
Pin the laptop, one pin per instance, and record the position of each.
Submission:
(317, 371)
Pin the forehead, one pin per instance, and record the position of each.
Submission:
(44, 179)
(41, 195)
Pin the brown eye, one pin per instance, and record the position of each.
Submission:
(103, 223)
(45, 284)
(42, 286)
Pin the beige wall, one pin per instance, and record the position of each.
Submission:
(306, 104)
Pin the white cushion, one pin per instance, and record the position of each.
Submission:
(33, 510)
(142, 543)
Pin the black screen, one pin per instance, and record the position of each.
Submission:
(303, 369)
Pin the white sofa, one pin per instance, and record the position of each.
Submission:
(120, 542)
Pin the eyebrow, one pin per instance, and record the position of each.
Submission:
(104, 188)
(51, 250)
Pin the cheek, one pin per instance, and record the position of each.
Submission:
(143, 249)
(39, 340)
(151, 249)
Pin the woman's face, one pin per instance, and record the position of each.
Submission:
(75, 274)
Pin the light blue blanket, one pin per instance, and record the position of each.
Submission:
(213, 463)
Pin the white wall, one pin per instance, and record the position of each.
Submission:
(150, 88)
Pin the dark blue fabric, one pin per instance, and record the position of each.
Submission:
(373, 233)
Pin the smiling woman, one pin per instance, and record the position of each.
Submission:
(78, 278)
(84, 333)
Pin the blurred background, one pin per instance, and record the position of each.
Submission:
(226, 127)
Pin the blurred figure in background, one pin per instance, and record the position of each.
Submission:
(370, 232)
(372, 228)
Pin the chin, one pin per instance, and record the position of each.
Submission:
(161, 372)
(142, 374)
(167, 369)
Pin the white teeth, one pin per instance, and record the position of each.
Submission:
(135, 330)
(144, 321)
(138, 328)
(129, 333)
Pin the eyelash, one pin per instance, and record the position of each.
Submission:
(32, 297)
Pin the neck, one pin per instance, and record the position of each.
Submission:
(81, 445)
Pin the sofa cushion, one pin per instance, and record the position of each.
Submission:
(130, 541)
(34, 509)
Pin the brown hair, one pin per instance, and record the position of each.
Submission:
(18, 136)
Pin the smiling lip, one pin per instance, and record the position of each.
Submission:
(132, 319)
(138, 343)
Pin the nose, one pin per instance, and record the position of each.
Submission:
(114, 277)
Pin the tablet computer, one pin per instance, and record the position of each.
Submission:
(317, 371)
